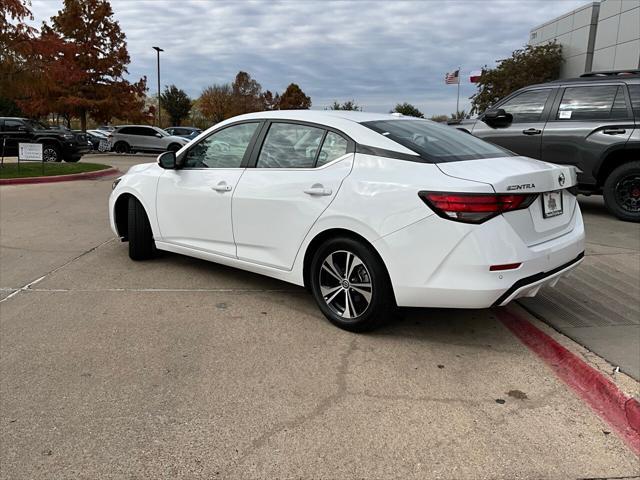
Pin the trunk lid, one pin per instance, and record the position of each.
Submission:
(522, 175)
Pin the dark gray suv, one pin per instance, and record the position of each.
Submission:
(592, 122)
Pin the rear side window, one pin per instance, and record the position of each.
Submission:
(126, 131)
(288, 145)
(12, 125)
(334, 146)
(436, 143)
(634, 93)
(598, 102)
(527, 106)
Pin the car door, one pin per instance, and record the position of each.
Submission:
(297, 173)
(524, 134)
(194, 202)
(14, 132)
(148, 139)
(587, 122)
(128, 135)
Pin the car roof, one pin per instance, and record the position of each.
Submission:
(594, 77)
(348, 122)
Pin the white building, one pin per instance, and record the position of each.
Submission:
(598, 36)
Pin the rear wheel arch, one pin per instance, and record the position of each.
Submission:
(325, 235)
(613, 160)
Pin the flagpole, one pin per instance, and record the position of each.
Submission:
(458, 99)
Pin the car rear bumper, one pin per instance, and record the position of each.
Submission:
(530, 286)
(439, 263)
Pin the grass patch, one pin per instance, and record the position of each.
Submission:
(34, 169)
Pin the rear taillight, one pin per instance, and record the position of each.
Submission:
(474, 207)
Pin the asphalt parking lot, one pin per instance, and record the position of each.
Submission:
(181, 368)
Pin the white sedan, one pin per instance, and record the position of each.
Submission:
(368, 211)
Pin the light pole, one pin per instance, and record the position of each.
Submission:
(158, 49)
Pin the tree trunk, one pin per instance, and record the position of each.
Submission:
(83, 120)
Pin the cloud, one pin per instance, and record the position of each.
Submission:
(376, 52)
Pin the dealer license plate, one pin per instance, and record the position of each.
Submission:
(552, 204)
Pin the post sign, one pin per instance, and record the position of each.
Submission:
(30, 152)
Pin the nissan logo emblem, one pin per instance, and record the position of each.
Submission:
(561, 179)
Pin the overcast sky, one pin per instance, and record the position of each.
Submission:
(378, 53)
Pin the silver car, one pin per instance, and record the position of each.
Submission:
(142, 138)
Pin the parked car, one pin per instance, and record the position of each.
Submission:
(592, 122)
(99, 140)
(106, 128)
(186, 132)
(142, 138)
(58, 143)
(368, 211)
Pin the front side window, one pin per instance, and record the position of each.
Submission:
(289, 145)
(436, 143)
(592, 103)
(527, 106)
(223, 149)
(334, 146)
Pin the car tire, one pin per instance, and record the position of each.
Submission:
(622, 192)
(174, 147)
(366, 288)
(121, 147)
(51, 153)
(141, 244)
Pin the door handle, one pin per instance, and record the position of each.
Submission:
(222, 187)
(614, 131)
(532, 131)
(318, 191)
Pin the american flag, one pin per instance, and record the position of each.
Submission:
(452, 78)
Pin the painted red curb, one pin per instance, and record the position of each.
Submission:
(601, 394)
(61, 178)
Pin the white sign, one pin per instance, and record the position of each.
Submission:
(564, 114)
(30, 152)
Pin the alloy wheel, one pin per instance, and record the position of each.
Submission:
(345, 284)
(627, 192)
(49, 154)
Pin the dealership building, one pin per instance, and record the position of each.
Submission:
(598, 36)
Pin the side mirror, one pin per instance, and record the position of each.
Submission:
(22, 129)
(497, 118)
(158, 135)
(167, 160)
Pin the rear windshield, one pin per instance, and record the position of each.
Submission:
(436, 143)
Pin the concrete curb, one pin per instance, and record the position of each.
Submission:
(61, 178)
(601, 394)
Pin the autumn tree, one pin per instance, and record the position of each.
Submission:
(15, 36)
(408, 109)
(176, 102)
(216, 102)
(103, 57)
(459, 115)
(247, 94)
(348, 105)
(294, 98)
(527, 66)
(439, 118)
(271, 101)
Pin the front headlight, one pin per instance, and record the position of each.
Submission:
(115, 183)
